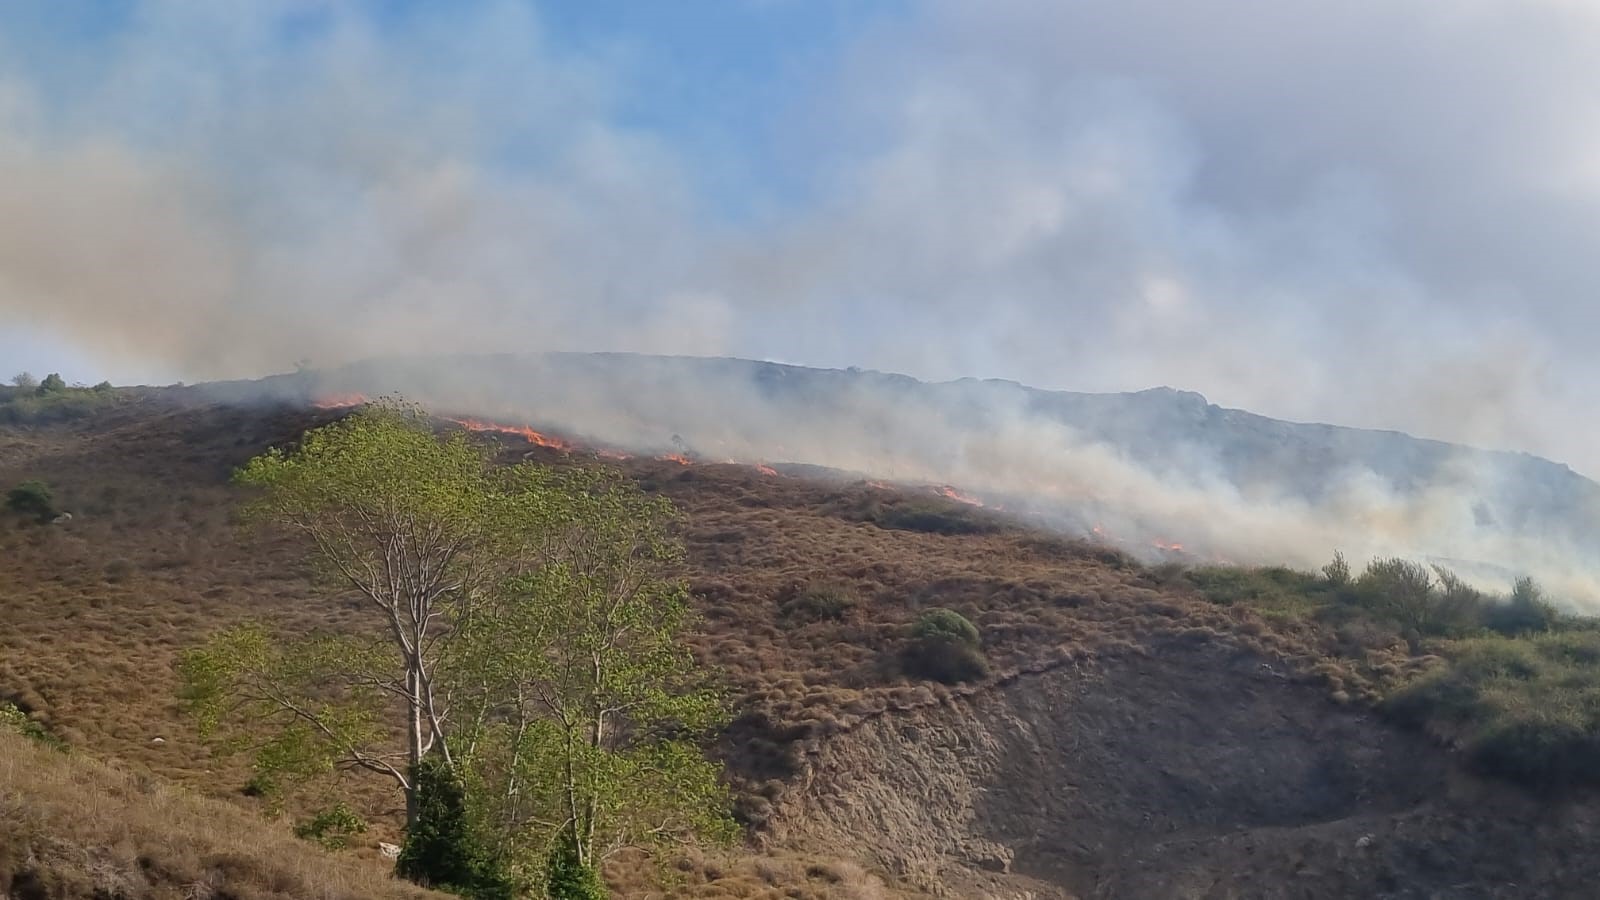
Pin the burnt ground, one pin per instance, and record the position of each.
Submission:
(1134, 740)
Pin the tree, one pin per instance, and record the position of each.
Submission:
(25, 380)
(419, 530)
(52, 384)
(592, 704)
(523, 679)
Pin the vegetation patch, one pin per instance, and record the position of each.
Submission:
(1524, 708)
(29, 402)
(945, 647)
(818, 602)
(33, 499)
(1515, 684)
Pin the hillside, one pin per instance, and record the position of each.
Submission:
(71, 827)
(1156, 466)
(1135, 738)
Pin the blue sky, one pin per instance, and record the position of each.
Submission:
(1375, 213)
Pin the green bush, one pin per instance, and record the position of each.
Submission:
(331, 828)
(16, 721)
(945, 647)
(34, 408)
(566, 878)
(1524, 612)
(1337, 572)
(442, 850)
(1272, 589)
(32, 498)
(52, 384)
(1526, 709)
(945, 623)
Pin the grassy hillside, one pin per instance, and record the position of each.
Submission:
(72, 827)
(808, 590)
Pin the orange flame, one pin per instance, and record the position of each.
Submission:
(765, 469)
(522, 431)
(1163, 545)
(340, 401)
(678, 458)
(953, 494)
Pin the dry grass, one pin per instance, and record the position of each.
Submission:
(71, 827)
(98, 609)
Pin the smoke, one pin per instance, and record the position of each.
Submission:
(1382, 214)
(1146, 469)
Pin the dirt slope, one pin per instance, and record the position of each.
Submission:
(1190, 770)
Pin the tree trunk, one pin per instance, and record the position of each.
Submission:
(414, 740)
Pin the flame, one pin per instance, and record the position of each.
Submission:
(522, 431)
(678, 458)
(1170, 547)
(340, 401)
(765, 469)
(951, 493)
(879, 485)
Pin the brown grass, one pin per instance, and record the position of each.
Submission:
(72, 827)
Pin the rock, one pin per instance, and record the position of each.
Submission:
(61, 519)
(988, 856)
(158, 740)
(389, 851)
(1364, 842)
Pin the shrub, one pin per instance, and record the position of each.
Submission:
(331, 828)
(442, 850)
(1404, 593)
(1523, 612)
(944, 660)
(32, 498)
(103, 387)
(945, 647)
(945, 623)
(817, 603)
(566, 878)
(1337, 572)
(25, 380)
(13, 719)
(52, 384)
(1526, 709)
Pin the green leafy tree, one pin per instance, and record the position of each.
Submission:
(527, 685)
(418, 530)
(591, 701)
(52, 384)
